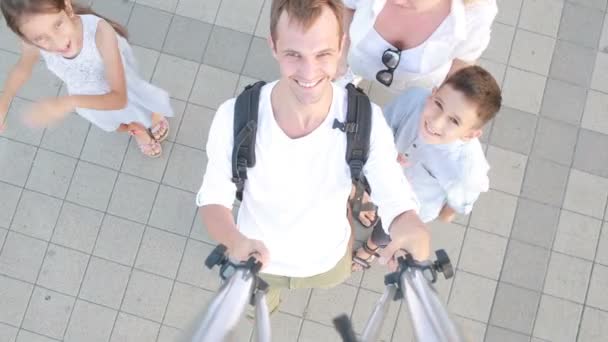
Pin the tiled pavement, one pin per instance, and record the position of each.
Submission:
(98, 243)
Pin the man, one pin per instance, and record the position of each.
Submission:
(292, 215)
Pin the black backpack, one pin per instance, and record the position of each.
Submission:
(357, 128)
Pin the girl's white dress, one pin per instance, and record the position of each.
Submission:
(85, 75)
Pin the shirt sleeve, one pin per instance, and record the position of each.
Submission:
(480, 17)
(461, 195)
(390, 189)
(217, 187)
(400, 111)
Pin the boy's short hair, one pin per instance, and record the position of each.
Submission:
(479, 87)
(304, 12)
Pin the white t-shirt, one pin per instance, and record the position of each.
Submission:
(453, 174)
(295, 196)
(464, 35)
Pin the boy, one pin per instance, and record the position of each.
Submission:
(436, 133)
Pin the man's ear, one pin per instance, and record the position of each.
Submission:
(273, 47)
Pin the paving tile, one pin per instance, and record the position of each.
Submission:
(600, 72)
(21, 157)
(165, 5)
(314, 332)
(147, 296)
(576, 16)
(118, 10)
(593, 117)
(495, 68)
(132, 198)
(22, 257)
(48, 313)
(195, 126)
(366, 300)
(564, 101)
(555, 141)
(449, 237)
(284, 327)
(532, 51)
(523, 90)
(513, 130)
(507, 171)
(8, 205)
(482, 253)
(541, 16)
(51, 173)
(535, 223)
(14, 299)
(585, 156)
(160, 252)
(137, 164)
(594, 325)
(193, 271)
(372, 278)
(201, 10)
(260, 63)
(187, 38)
(230, 14)
(63, 270)
(525, 265)
(68, 137)
(9, 59)
(566, 55)
(472, 331)
(41, 85)
(602, 248)
(77, 227)
(26, 336)
(173, 210)
(494, 212)
(262, 29)
(404, 332)
(8, 40)
(185, 305)
(36, 215)
(496, 334)
(90, 322)
(134, 329)
(213, 86)
(17, 129)
(174, 122)
(3, 233)
(557, 320)
(295, 301)
(227, 49)
(186, 168)
(514, 308)
(597, 4)
(586, 194)
(545, 181)
(7, 332)
(91, 186)
(119, 240)
(105, 149)
(148, 26)
(603, 45)
(567, 277)
(472, 296)
(146, 61)
(105, 283)
(596, 297)
(325, 304)
(499, 48)
(168, 334)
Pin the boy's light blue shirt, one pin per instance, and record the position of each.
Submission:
(453, 174)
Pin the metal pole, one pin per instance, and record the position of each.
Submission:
(376, 320)
(262, 318)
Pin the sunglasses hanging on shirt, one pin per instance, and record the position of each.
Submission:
(390, 59)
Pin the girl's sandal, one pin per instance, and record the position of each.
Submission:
(360, 263)
(160, 130)
(151, 149)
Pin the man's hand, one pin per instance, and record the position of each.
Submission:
(402, 160)
(407, 233)
(244, 248)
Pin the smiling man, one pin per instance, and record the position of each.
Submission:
(292, 215)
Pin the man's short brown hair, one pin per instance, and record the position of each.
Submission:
(480, 88)
(304, 12)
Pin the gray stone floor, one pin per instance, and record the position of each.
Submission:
(98, 243)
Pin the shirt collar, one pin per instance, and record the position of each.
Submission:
(453, 146)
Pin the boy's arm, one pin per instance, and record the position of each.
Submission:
(19, 74)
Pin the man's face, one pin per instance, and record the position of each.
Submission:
(448, 116)
(308, 58)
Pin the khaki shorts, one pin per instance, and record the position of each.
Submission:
(336, 276)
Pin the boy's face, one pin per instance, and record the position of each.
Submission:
(448, 116)
(308, 58)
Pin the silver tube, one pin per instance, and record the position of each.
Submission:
(372, 329)
(226, 308)
(262, 318)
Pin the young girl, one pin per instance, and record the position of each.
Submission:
(92, 57)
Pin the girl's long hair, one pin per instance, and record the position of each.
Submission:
(14, 10)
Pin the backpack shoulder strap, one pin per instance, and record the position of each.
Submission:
(358, 128)
(244, 132)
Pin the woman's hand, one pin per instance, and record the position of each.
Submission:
(48, 111)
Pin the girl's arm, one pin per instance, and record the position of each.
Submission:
(107, 44)
(20, 73)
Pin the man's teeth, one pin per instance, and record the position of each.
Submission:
(307, 84)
